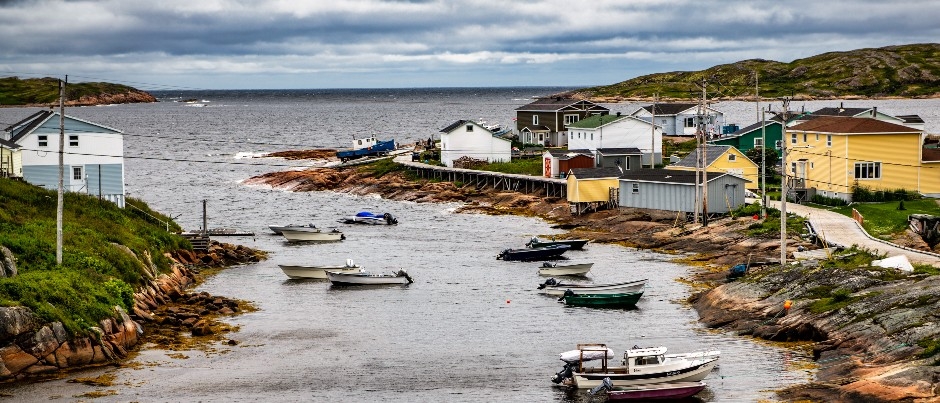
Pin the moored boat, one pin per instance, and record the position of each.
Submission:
(575, 244)
(640, 366)
(306, 234)
(555, 269)
(277, 229)
(656, 391)
(625, 300)
(319, 272)
(364, 278)
(367, 217)
(555, 288)
(530, 254)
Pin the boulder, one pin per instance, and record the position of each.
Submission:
(15, 359)
(42, 343)
(7, 263)
(202, 328)
(16, 320)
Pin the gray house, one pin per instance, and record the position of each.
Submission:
(628, 159)
(672, 190)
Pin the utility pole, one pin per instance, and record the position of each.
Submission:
(763, 165)
(783, 187)
(653, 133)
(60, 199)
(205, 221)
(703, 129)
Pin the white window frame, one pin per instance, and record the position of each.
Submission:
(828, 140)
(867, 170)
(688, 122)
(535, 119)
(792, 138)
(636, 188)
(42, 140)
(732, 157)
(778, 144)
(73, 140)
(469, 128)
(758, 142)
(569, 119)
(77, 173)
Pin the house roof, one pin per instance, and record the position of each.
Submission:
(569, 154)
(668, 176)
(551, 104)
(750, 128)
(595, 121)
(910, 118)
(26, 126)
(620, 151)
(712, 153)
(840, 111)
(669, 109)
(457, 124)
(536, 128)
(8, 144)
(849, 125)
(596, 173)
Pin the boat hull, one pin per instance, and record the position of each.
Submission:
(566, 270)
(693, 373)
(676, 390)
(355, 279)
(627, 300)
(317, 272)
(294, 235)
(620, 288)
(278, 229)
(532, 254)
(574, 244)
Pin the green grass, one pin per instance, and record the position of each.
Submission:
(531, 166)
(95, 274)
(14, 91)
(884, 219)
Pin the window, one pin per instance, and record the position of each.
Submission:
(592, 135)
(817, 136)
(636, 188)
(778, 144)
(811, 165)
(804, 137)
(73, 140)
(535, 119)
(758, 142)
(828, 140)
(569, 119)
(793, 138)
(43, 140)
(663, 121)
(571, 135)
(867, 170)
(469, 128)
(689, 122)
(77, 173)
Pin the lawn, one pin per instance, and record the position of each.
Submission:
(884, 219)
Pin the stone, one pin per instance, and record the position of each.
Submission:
(58, 330)
(226, 311)
(39, 369)
(15, 359)
(42, 343)
(202, 328)
(75, 353)
(7, 262)
(16, 320)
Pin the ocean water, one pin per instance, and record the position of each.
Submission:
(471, 328)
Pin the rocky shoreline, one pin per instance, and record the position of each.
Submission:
(30, 348)
(869, 331)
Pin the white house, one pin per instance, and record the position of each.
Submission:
(617, 132)
(466, 138)
(93, 154)
(679, 119)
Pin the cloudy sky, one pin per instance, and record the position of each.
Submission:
(242, 44)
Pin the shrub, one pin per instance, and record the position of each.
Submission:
(828, 201)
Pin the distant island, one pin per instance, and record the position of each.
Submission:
(45, 92)
(905, 71)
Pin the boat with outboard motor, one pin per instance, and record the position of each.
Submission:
(640, 366)
(655, 391)
(277, 229)
(365, 278)
(556, 288)
(318, 272)
(367, 217)
(624, 300)
(555, 269)
(574, 244)
(530, 254)
(311, 234)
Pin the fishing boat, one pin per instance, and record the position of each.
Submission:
(364, 278)
(555, 269)
(366, 217)
(625, 300)
(556, 288)
(640, 366)
(656, 391)
(318, 272)
(311, 234)
(277, 229)
(530, 254)
(574, 244)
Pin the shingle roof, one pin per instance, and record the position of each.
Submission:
(596, 173)
(840, 111)
(455, 125)
(848, 125)
(667, 176)
(669, 109)
(27, 125)
(911, 118)
(554, 104)
(620, 151)
(8, 144)
(595, 121)
(712, 153)
(565, 155)
(750, 128)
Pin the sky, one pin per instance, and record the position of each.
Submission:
(281, 44)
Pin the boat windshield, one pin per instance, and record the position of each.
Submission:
(648, 360)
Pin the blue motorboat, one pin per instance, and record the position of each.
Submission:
(368, 217)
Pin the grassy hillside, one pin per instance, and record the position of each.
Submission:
(14, 91)
(95, 274)
(903, 71)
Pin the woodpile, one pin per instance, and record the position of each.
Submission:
(466, 162)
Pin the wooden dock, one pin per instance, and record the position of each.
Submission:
(548, 187)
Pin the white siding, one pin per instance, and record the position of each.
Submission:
(478, 144)
(624, 133)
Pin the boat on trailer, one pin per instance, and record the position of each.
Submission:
(640, 366)
(556, 288)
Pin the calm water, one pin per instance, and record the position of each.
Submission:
(471, 328)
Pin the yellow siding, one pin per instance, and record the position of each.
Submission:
(590, 190)
(741, 164)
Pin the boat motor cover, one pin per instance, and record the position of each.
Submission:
(586, 355)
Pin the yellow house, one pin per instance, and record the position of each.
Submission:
(11, 160)
(591, 188)
(828, 156)
(723, 159)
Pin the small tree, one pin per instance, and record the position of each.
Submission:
(770, 157)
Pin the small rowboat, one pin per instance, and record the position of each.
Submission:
(656, 391)
(305, 234)
(574, 244)
(626, 300)
(555, 269)
(363, 278)
(277, 229)
(299, 272)
(556, 288)
(530, 254)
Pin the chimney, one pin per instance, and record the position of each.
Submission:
(874, 112)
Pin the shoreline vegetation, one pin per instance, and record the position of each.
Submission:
(872, 331)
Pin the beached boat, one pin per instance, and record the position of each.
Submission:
(276, 229)
(574, 244)
(307, 234)
(318, 272)
(656, 391)
(530, 254)
(625, 300)
(556, 288)
(364, 278)
(366, 217)
(640, 366)
(555, 269)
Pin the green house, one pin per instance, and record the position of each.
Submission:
(751, 136)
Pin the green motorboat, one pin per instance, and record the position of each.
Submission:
(626, 300)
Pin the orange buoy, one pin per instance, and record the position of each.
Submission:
(507, 301)
(787, 304)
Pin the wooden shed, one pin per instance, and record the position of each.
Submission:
(591, 189)
(674, 190)
(557, 163)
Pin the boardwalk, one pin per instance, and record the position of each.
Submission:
(842, 230)
(547, 187)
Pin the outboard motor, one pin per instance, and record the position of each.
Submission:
(548, 282)
(605, 385)
(389, 219)
(566, 373)
(567, 293)
(407, 277)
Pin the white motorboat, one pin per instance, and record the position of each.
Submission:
(556, 288)
(307, 234)
(276, 229)
(366, 217)
(319, 272)
(364, 278)
(640, 366)
(555, 269)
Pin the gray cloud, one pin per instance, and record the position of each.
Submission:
(472, 42)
